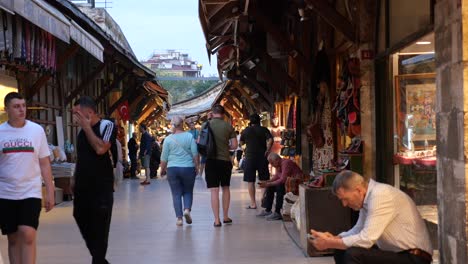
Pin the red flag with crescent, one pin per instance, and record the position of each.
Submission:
(123, 111)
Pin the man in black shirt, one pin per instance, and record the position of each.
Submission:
(132, 154)
(94, 178)
(145, 152)
(258, 140)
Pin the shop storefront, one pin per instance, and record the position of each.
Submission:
(406, 103)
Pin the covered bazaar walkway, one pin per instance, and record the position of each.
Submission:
(143, 231)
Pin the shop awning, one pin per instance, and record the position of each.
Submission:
(44, 16)
(197, 104)
(88, 42)
(150, 86)
(7, 5)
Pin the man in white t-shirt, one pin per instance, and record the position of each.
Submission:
(24, 158)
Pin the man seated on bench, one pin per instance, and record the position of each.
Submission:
(389, 229)
(284, 168)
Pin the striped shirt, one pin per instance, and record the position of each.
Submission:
(389, 218)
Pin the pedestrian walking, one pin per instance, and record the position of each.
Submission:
(219, 168)
(94, 180)
(145, 152)
(132, 154)
(155, 160)
(180, 159)
(258, 141)
(24, 159)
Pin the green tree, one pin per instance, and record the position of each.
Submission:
(182, 90)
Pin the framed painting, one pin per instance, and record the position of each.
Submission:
(415, 109)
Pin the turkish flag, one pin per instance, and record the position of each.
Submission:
(123, 111)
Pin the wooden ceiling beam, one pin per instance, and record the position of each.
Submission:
(112, 86)
(213, 29)
(87, 81)
(281, 39)
(262, 91)
(328, 13)
(245, 95)
(125, 95)
(260, 100)
(243, 108)
(147, 110)
(279, 71)
(211, 13)
(232, 101)
(219, 41)
(273, 84)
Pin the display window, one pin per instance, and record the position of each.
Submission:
(414, 85)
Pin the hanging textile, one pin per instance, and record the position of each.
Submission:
(6, 36)
(322, 73)
(323, 156)
(17, 38)
(291, 115)
(298, 127)
(294, 125)
(347, 103)
(27, 41)
(37, 47)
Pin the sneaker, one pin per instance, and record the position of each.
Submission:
(274, 216)
(264, 213)
(188, 217)
(179, 222)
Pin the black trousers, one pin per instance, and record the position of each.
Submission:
(270, 196)
(93, 215)
(133, 166)
(355, 255)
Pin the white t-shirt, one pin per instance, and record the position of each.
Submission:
(20, 151)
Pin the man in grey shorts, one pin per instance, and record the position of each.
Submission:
(145, 152)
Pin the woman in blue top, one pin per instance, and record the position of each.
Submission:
(180, 158)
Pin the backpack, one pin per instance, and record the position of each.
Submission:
(113, 138)
(206, 143)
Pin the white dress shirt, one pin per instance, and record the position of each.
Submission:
(389, 218)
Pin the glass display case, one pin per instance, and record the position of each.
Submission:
(415, 121)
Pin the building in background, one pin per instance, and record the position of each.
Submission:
(173, 63)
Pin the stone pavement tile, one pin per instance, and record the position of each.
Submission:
(143, 231)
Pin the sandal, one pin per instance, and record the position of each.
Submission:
(227, 221)
(217, 225)
(250, 207)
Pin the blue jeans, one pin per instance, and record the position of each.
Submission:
(181, 180)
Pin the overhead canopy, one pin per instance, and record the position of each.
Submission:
(198, 104)
(44, 16)
(7, 5)
(53, 21)
(152, 86)
(88, 42)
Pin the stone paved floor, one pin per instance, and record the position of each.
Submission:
(143, 231)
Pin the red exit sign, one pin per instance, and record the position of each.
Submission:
(367, 54)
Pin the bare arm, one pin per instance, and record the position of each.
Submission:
(269, 143)
(233, 143)
(196, 161)
(163, 166)
(99, 145)
(46, 173)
